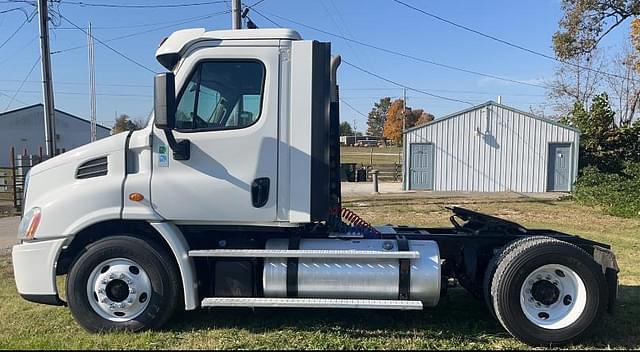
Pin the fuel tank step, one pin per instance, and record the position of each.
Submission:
(310, 303)
(303, 253)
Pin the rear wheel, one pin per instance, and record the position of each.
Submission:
(123, 283)
(547, 292)
(493, 265)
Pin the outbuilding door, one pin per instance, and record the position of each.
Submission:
(421, 166)
(559, 168)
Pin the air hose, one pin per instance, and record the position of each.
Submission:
(343, 220)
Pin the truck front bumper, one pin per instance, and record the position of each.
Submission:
(34, 269)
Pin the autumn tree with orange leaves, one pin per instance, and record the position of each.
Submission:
(393, 123)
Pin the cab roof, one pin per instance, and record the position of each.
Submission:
(171, 47)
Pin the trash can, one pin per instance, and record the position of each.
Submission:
(361, 175)
(348, 172)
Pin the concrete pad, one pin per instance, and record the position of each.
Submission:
(394, 189)
(362, 188)
(9, 231)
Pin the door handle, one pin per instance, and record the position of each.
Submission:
(260, 191)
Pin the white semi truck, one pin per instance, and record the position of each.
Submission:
(230, 197)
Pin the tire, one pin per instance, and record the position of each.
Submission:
(123, 283)
(493, 265)
(547, 292)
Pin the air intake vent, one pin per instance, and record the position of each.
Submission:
(93, 168)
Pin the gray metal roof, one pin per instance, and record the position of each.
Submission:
(488, 103)
(60, 111)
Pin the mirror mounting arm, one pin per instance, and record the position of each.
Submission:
(181, 148)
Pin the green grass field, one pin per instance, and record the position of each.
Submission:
(459, 322)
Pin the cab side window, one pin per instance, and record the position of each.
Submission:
(221, 95)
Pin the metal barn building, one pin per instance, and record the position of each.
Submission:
(23, 129)
(491, 148)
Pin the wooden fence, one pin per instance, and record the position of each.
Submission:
(386, 172)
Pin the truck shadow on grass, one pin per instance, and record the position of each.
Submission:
(459, 317)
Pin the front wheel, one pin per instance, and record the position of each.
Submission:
(548, 292)
(122, 283)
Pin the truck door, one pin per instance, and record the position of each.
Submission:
(227, 108)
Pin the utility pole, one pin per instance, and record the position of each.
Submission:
(404, 109)
(404, 123)
(355, 132)
(236, 19)
(92, 85)
(47, 81)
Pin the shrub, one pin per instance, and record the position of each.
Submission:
(617, 193)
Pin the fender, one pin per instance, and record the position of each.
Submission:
(180, 248)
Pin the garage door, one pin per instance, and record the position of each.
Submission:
(421, 166)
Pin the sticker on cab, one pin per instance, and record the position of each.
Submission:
(163, 156)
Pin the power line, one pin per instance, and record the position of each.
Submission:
(415, 58)
(139, 6)
(404, 86)
(85, 83)
(21, 9)
(352, 108)
(266, 18)
(340, 28)
(22, 84)
(108, 46)
(193, 19)
(119, 27)
(83, 93)
(442, 90)
(28, 19)
(513, 45)
(18, 100)
(9, 57)
(388, 80)
(254, 4)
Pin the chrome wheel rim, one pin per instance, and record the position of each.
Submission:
(118, 289)
(553, 296)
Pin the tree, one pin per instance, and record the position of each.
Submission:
(377, 117)
(603, 144)
(578, 118)
(345, 129)
(583, 76)
(576, 82)
(424, 118)
(125, 123)
(395, 116)
(626, 92)
(393, 122)
(586, 22)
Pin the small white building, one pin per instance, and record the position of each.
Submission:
(23, 129)
(491, 148)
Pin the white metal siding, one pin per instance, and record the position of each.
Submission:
(511, 157)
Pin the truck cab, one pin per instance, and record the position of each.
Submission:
(230, 196)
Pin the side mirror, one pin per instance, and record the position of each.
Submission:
(164, 97)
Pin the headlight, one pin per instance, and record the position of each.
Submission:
(29, 224)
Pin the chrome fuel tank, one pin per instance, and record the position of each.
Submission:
(377, 278)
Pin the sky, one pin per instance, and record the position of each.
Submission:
(126, 87)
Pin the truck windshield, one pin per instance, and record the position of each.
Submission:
(221, 95)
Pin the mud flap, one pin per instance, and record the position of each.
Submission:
(607, 261)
